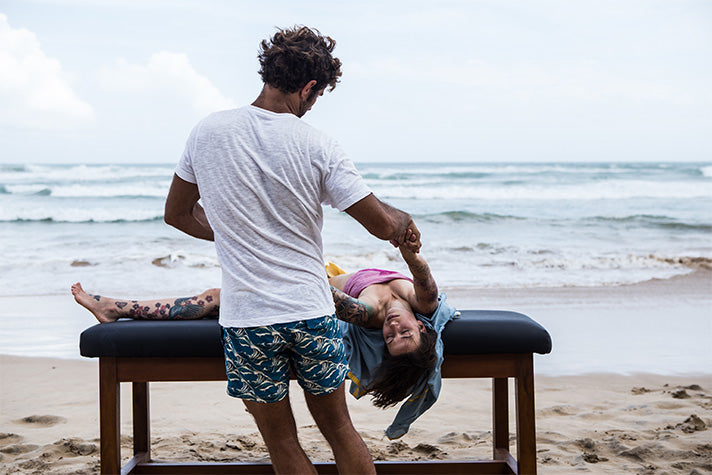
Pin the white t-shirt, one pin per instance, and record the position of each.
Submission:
(262, 178)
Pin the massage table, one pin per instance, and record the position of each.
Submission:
(480, 344)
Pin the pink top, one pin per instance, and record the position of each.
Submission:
(365, 277)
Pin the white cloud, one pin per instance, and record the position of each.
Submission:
(167, 72)
(34, 91)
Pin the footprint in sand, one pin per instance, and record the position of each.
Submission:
(401, 449)
(690, 425)
(586, 443)
(7, 438)
(34, 466)
(550, 437)
(560, 410)
(431, 451)
(680, 394)
(693, 387)
(44, 421)
(246, 442)
(669, 405)
(241, 443)
(18, 449)
(590, 457)
(595, 416)
(639, 453)
(396, 448)
(75, 447)
(456, 438)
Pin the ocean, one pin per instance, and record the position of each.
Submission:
(483, 225)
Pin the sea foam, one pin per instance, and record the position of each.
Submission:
(482, 224)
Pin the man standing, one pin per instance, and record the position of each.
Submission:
(262, 175)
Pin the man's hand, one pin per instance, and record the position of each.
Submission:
(410, 239)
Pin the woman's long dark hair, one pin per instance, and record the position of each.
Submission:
(396, 375)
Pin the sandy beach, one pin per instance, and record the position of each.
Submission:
(596, 423)
(613, 421)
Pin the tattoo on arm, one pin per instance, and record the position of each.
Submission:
(426, 290)
(351, 310)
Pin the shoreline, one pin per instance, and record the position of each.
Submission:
(640, 423)
(697, 280)
(696, 283)
(657, 326)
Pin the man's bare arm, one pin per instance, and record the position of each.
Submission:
(352, 310)
(384, 221)
(183, 211)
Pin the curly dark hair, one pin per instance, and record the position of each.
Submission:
(396, 375)
(294, 56)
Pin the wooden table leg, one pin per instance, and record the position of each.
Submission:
(109, 416)
(141, 420)
(526, 431)
(500, 415)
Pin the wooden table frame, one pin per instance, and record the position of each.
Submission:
(140, 371)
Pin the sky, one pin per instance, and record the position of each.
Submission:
(124, 81)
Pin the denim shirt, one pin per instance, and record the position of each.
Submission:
(365, 348)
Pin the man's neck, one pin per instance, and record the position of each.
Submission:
(272, 99)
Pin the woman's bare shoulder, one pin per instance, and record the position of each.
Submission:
(339, 281)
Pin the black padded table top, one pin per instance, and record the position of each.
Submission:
(475, 332)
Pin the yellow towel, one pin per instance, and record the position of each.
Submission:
(332, 270)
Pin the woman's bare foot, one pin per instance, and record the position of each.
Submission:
(102, 307)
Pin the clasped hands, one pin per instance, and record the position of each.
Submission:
(410, 240)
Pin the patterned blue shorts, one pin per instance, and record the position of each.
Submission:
(258, 360)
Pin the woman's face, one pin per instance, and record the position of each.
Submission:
(401, 330)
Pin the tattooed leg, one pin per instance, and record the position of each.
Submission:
(107, 309)
(191, 308)
(103, 308)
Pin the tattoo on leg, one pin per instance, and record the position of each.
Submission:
(96, 297)
(121, 304)
(184, 309)
(135, 310)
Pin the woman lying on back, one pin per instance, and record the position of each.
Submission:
(371, 298)
(378, 301)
